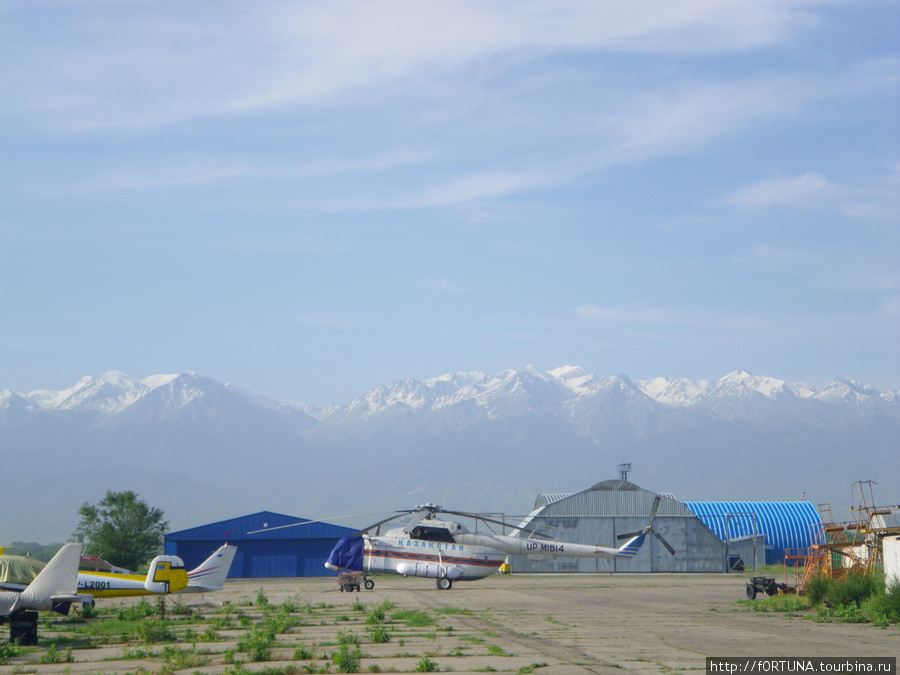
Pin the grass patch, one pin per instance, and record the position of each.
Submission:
(453, 610)
(858, 598)
(413, 618)
(778, 603)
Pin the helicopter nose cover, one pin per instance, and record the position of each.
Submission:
(347, 554)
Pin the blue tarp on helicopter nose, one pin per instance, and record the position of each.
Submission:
(348, 554)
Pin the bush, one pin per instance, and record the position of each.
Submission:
(426, 665)
(376, 616)
(154, 630)
(257, 644)
(139, 611)
(884, 609)
(379, 633)
(347, 638)
(303, 654)
(347, 661)
(8, 650)
(853, 589)
(858, 598)
(54, 656)
(817, 588)
(850, 591)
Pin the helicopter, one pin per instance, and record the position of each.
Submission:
(425, 545)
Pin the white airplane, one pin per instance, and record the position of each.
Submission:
(447, 551)
(53, 589)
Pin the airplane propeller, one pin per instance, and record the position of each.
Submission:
(649, 529)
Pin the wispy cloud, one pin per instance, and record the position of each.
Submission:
(136, 66)
(784, 190)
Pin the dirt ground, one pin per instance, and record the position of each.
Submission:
(560, 624)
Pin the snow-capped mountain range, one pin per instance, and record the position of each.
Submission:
(113, 392)
(203, 451)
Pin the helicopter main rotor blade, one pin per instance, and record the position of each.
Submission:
(666, 544)
(415, 520)
(321, 520)
(649, 528)
(654, 508)
(477, 516)
(396, 515)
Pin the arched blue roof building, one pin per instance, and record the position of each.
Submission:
(273, 551)
(785, 524)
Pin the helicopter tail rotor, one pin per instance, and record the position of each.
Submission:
(649, 530)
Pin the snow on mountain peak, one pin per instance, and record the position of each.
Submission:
(741, 383)
(574, 377)
(521, 390)
(673, 391)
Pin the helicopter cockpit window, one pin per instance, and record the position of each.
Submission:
(432, 534)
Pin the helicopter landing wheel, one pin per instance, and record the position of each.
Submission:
(369, 584)
(444, 583)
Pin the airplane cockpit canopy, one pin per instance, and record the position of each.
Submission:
(88, 564)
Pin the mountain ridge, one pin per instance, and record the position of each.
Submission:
(113, 391)
(203, 450)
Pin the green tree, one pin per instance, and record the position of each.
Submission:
(122, 529)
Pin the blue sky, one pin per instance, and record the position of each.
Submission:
(313, 199)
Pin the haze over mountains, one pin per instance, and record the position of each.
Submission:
(204, 451)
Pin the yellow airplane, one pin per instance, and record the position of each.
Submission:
(166, 575)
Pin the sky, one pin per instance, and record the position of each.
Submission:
(310, 200)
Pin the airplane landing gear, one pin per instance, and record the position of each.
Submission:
(444, 583)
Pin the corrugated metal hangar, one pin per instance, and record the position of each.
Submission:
(707, 536)
(284, 552)
(785, 524)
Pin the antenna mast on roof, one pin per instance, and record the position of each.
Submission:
(624, 468)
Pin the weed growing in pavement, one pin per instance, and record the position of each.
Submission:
(413, 618)
(8, 651)
(181, 659)
(347, 661)
(777, 603)
(379, 633)
(257, 644)
(53, 655)
(426, 665)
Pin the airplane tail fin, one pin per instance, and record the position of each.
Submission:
(211, 574)
(58, 581)
(166, 575)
